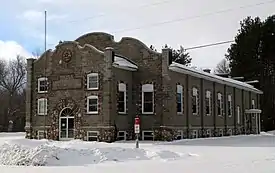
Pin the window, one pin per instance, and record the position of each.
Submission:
(92, 105)
(220, 104)
(221, 132)
(42, 106)
(122, 98)
(238, 115)
(195, 134)
(92, 81)
(230, 132)
(92, 135)
(253, 104)
(42, 85)
(208, 133)
(147, 99)
(195, 101)
(229, 101)
(122, 135)
(208, 103)
(179, 99)
(40, 134)
(148, 135)
(179, 135)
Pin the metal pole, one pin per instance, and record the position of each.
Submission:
(45, 49)
(137, 142)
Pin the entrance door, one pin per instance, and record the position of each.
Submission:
(66, 124)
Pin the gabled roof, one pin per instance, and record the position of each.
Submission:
(211, 77)
(124, 63)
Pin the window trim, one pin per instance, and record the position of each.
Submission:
(221, 132)
(92, 112)
(122, 88)
(39, 131)
(147, 88)
(219, 95)
(195, 94)
(195, 133)
(38, 84)
(238, 115)
(253, 104)
(124, 136)
(88, 81)
(180, 91)
(45, 101)
(229, 99)
(150, 131)
(208, 97)
(87, 135)
(180, 133)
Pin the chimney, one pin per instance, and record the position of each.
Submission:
(207, 70)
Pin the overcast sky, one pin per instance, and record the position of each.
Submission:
(174, 22)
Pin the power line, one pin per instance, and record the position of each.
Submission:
(209, 45)
(102, 15)
(193, 17)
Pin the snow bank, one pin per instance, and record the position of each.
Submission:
(51, 154)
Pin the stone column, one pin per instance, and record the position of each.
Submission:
(29, 90)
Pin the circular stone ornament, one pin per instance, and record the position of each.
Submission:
(67, 55)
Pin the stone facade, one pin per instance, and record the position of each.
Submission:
(133, 66)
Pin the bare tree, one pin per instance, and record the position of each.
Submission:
(222, 67)
(12, 82)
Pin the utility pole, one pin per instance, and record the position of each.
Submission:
(45, 49)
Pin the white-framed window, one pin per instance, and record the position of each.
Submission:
(220, 104)
(40, 134)
(221, 132)
(92, 81)
(122, 98)
(179, 135)
(230, 132)
(42, 106)
(195, 134)
(253, 104)
(195, 101)
(179, 99)
(229, 104)
(208, 133)
(148, 135)
(92, 135)
(208, 103)
(147, 99)
(238, 115)
(122, 135)
(92, 105)
(42, 85)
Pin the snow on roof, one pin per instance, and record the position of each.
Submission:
(201, 74)
(124, 63)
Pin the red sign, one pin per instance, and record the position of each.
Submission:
(137, 121)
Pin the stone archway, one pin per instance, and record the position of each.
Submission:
(72, 108)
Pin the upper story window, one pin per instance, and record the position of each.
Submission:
(220, 104)
(253, 104)
(122, 98)
(42, 85)
(179, 99)
(195, 101)
(147, 99)
(229, 104)
(238, 115)
(92, 105)
(92, 81)
(42, 106)
(208, 103)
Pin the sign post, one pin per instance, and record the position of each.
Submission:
(137, 130)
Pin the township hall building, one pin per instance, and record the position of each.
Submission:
(93, 88)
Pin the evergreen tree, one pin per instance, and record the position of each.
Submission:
(180, 55)
(252, 56)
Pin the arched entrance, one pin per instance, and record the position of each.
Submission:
(66, 124)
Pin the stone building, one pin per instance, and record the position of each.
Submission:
(93, 88)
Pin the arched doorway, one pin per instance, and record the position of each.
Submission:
(66, 124)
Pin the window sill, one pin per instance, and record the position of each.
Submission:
(42, 92)
(208, 115)
(122, 113)
(92, 89)
(147, 113)
(41, 114)
(92, 113)
(180, 113)
(195, 114)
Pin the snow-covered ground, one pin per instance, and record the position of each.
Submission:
(238, 154)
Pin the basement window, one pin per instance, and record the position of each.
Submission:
(122, 136)
(92, 135)
(147, 135)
